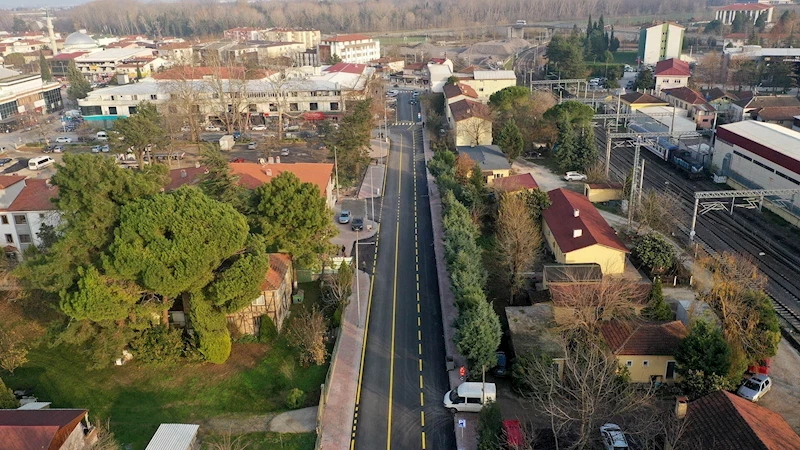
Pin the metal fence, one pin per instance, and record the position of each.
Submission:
(325, 387)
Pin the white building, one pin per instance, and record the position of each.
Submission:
(102, 65)
(25, 94)
(308, 37)
(351, 48)
(437, 75)
(752, 11)
(671, 73)
(25, 205)
(659, 42)
(758, 155)
(487, 82)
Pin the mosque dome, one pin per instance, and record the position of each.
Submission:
(78, 40)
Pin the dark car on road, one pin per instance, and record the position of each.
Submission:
(357, 224)
(4, 161)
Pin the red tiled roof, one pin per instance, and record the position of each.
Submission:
(438, 60)
(175, 46)
(513, 183)
(279, 265)
(176, 178)
(44, 429)
(724, 421)
(37, 195)
(627, 338)
(561, 220)
(687, 95)
(633, 98)
(8, 180)
(464, 109)
(68, 56)
(253, 175)
(196, 73)
(347, 68)
(454, 90)
(778, 112)
(745, 7)
(672, 67)
(346, 38)
(414, 66)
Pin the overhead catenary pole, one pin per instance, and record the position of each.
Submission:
(634, 181)
(336, 166)
(608, 149)
(641, 181)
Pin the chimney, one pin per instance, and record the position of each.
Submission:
(270, 160)
(269, 172)
(262, 161)
(277, 160)
(576, 212)
(576, 233)
(183, 173)
(197, 164)
(681, 406)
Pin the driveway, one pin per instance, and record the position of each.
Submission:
(546, 179)
(784, 398)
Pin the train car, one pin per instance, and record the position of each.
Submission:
(684, 162)
(661, 147)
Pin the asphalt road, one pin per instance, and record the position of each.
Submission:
(406, 112)
(403, 379)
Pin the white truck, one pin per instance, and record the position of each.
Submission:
(226, 142)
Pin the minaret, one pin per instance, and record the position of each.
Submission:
(53, 46)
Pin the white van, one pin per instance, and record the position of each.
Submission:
(470, 397)
(40, 162)
(102, 136)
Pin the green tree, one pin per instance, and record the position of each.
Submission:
(613, 42)
(17, 60)
(509, 139)
(713, 27)
(211, 330)
(478, 335)
(765, 336)
(7, 398)
(140, 132)
(293, 217)
(19, 25)
(490, 427)
(350, 143)
(781, 75)
(567, 146)
(505, 98)
(97, 298)
(334, 59)
(586, 154)
(576, 113)
(761, 22)
(238, 281)
(44, 68)
(219, 182)
(704, 350)
(537, 201)
(739, 23)
(79, 86)
(657, 309)
(566, 56)
(654, 251)
(644, 80)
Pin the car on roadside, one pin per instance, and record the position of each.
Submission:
(613, 438)
(574, 176)
(259, 128)
(412, 102)
(105, 149)
(4, 161)
(284, 152)
(213, 128)
(97, 149)
(252, 145)
(501, 370)
(58, 149)
(344, 217)
(64, 140)
(755, 387)
(357, 224)
(186, 128)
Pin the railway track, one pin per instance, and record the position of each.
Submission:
(718, 231)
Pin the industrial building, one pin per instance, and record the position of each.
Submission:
(758, 155)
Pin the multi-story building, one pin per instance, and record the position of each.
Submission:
(21, 95)
(671, 73)
(308, 37)
(351, 48)
(177, 52)
(102, 65)
(60, 63)
(487, 82)
(751, 11)
(268, 51)
(659, 42)
(698, 108)
(25, 205)
(241, 34)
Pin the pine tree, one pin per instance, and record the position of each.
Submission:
(586, 150)
(510, 141)
(589, 27)
(79, 86)
(44, 68)
(657, 308)
(566, 146)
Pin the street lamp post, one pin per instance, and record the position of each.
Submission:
(336, 166)
(358, 287)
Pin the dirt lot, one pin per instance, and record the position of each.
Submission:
(784, 397)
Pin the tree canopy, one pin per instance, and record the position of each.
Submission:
(506, 98)
(576, 113)
(79, 86)
(44, 68)
(351, 139)
(509, 139)
(565, 54)
(140, 133)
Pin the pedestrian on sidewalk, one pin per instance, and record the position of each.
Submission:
(344, 251)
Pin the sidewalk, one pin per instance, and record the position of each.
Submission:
(466, 439)
(373, 182)
(337, 417)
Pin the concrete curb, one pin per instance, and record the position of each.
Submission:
(466, 439)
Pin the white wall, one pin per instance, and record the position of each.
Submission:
(674, 42)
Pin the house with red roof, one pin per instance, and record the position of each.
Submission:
(699, 109)
(724, 421)
(522, 182)
(576, 233)
(646, 349)
(48, 429)
(25, 206)
(470, 121)
(274, 301)
(454, 92)
(671, 73)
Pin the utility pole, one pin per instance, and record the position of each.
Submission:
(608, 148)
(372, 188)
(634, 180)
(336, 165)
(358, 287)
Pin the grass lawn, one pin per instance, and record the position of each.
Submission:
(625, 58)
(137, 399)
(276, 441)
(400, 40)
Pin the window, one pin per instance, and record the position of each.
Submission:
(294, 107)
(670, 375)
(313, 106)
(41, 215)
(260, 301)
(645, 363)
(20, 219)
(334, 106)
(25, 238)
(4, 219)
(474, 400)
(629, 363)
(273, 107)
(112, 110)
(153, 96)
(9, 239)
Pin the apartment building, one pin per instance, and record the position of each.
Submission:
(310, 38)
(25, 205)
(25, 94)
(350, 48)
(661, 41)
(102, 65)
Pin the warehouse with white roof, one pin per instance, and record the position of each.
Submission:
(759, 155)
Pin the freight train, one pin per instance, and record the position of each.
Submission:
(666, 150)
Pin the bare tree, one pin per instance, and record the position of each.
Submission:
(592, 389)
(519, 240)
(227, 442)
(186, 101)
(477, 129)
(13, 350)
(590, 301)
(105, 438)
(338, 286)
(709, 71)
(228, 85)
(308, 334)
(596, 173)
(659, 211)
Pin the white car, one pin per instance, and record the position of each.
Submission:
(96, 149)
(755, 387)
(251, 146)
(284, 152)
(64, 140)
(613, 438)
(259, 128)
(105, 148)
(574, 176)
(212, 128)
(58, 149)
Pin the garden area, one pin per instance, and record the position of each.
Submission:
(136, 398)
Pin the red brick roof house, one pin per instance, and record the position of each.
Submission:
(724, 421)
(645, 349)
(274, 301)
(46, 429)
(459, 91)
(703, 113)
(515, 183)
(671, 73)
(471, 122)
(635, 100)
(25, 205)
